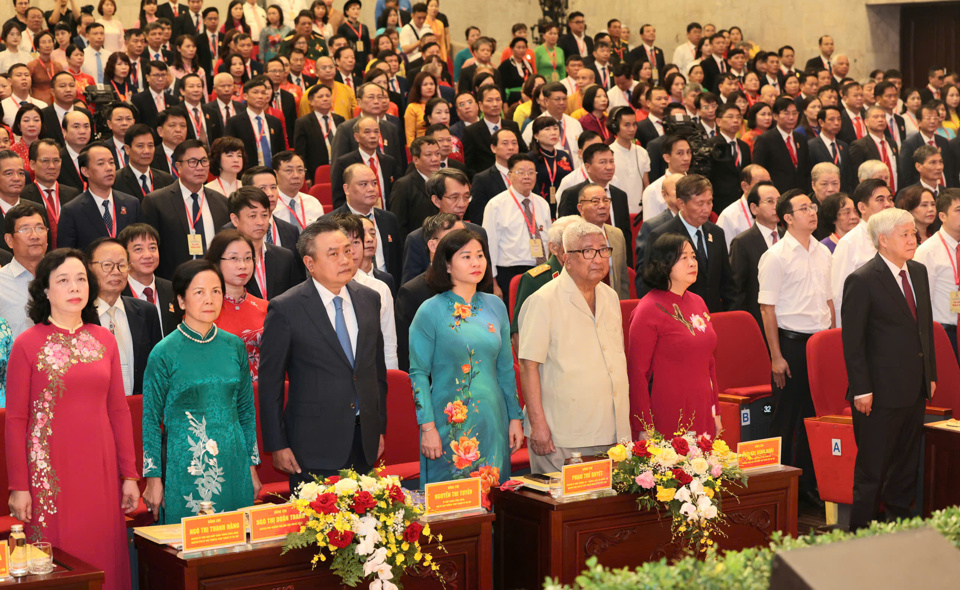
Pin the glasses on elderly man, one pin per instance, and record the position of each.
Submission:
(591, 253)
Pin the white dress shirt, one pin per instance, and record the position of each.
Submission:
(378, 258)
(683, 55)
(409, 34)
(206, 217)
(136, 287)
(735, 219)
(631, 164)
(122, 327)
(768, 234)
(388, 326)
(349, 315)
(618, 98)
(796, 281)
(853, 250)
(89, 66)
(940, 261)
(507, 234)
(14, 284)
(256, 18)
(111, 206)
(11, 105)
(652, 200)
(308, 209)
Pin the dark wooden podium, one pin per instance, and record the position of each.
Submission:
(69, 573)
(537, 537)
(941, 467)
(466, 565)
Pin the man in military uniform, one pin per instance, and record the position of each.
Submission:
(539, 276)
(316, 47)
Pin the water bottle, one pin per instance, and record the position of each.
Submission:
(19, 560)
(573, 459)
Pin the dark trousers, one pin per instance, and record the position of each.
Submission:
(791, 405)
(356, 461)
(951, 331)
(888, 460)
(505, 274)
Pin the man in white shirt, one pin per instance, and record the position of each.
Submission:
(632, 161)
(574, 65)
(855, 248)
(411, 32)
(95, 56)
(294, 207)
(516, 221)
(939, 254)
(621, 92)
(795, 303)
(132, 322)
(256, 18)
(686, 53)
(28, 242)
(735, 217)
(677, 155)
(20, 84)
(555, 97)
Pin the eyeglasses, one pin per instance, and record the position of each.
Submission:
(591, 253)
(26, 231)
(108, 266)
(196, 162)
(524, 173)
(236, 260)
(604, 200)
(811, 208)
(45, 161)
(457, 199)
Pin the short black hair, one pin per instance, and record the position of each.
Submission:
(164, 115)
(187, 144)
(35, 148)
(18, 212)
(520, 157)
(663, 255)
(137, 130)
(865, 190)
(246, 197)
(247, 178)
(822, 115)
(437, 223)
(593, 150)
(753, 197)
(945, 199)
(306, 243)
(351, 225)
(92, 246)
(138, 230)
(438, 277)
(186, 272)
(586, 136)
(783, 202)
(38, 307)
(282, 158)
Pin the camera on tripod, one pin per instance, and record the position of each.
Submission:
(702, 153)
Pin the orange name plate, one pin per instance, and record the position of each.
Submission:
(583, 478)
(226, 529)
(754, 454)
(452, 496)
(4, 560)
(273, 522)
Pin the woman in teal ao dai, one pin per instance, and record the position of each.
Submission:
(198, 387)
(461, 369)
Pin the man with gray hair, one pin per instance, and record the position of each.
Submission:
(873, 169)
(573, 369)
(594, 207)
(889, 353)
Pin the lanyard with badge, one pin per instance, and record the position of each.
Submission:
(301, 222)
(746, 214)
(536, 244)
(358, 33)
(261, 272)
(955, 294)
(195, 240)
(552, 174)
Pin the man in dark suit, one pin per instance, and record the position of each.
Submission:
(298, 61)
(313, 133)
(646, 51)
(276, 267)
(409, 200)
(449, 191)
(825, 43)
(889, 352)
(747, 248)
(714, 65)
(166, 209)
(575, 42)
(119, 116)
(263, 138)
(928, 163)
(787, 163)
(669, 192)
(156, 50)
(64, 89)
(134, 323)
(600, 165)
(201, 124)
(138, 178)
(476, 137)
(366, 134)
(852, 125)
(77, 126)
(492, 181)
(935, 81)
(735, 156)
(332, 362)
(928, 120)
(652, 127)
(715, 277)
(244, 45)
(188, 22)
(887, 96)
(281, 232)
(218, 109)
(45, 190)
(208, 43)
(143, 253)
(361, 196)
(372, 102)
(876, 145)
(171, 10)
(99, 211)
(172, 130)
(156, 98)
(826, 147)
(281, 99)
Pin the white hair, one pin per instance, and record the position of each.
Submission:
(871, 169)
(821, 169)
(576, 231)
(883, 223)
(555, 233)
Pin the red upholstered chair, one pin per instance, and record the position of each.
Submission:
(512, 296)
(323, 192)
(632, 277)
(948, 373)
(626, 314)
(827, 373)
(743, 376)
(635, 227)
(5, 519)
(141, 516)
(322, 175)
(402, 453)
(520, 460)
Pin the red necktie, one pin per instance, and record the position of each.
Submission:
(886, 160)
(859, 123)
(908, 293)
(792, 150)
(376, 173)
(774, 236)
(148, 293)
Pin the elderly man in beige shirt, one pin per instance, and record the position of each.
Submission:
(573, 368)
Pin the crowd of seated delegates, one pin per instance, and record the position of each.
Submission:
(218, 125)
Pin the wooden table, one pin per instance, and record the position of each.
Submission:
(536, 536)
(465, 566)
(941, 468)
(69, 573)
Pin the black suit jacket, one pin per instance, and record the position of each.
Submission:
(476, 144)
(926, 95)
(184, 25)
(619, 206)
(643, 238)
(745, 252)
(128, 181)
(486, 185)
(907, 172)
(164, 209)
(770, 151)
(451, 163)
(388, 230)
(819, 153)
(69, 174)
(241, 127)
(887, 352)
(282, 272)
(43, 213)
(716, 285)
(289, 109)
(569, 45)
(51, 125)
(166, 11)
(344, 142)
(308, 140)
(387, 167)
(31, 192)
(639, 55)
(866, 149)
(814, 63)
(416, 255)
(300, 345)
(170, 312)
(148, 108)
(725, 173)
(81, 221)
(145, 334)
(206, 56)
(6, 258)
(409, 298)
(848, 131)
(210, 119)
(410, 203)
(711, 74)
(646, 133)
(213, 109)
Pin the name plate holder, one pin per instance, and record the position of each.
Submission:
(215, 531)
(593, 477)
(455, 498)
(759, 454)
